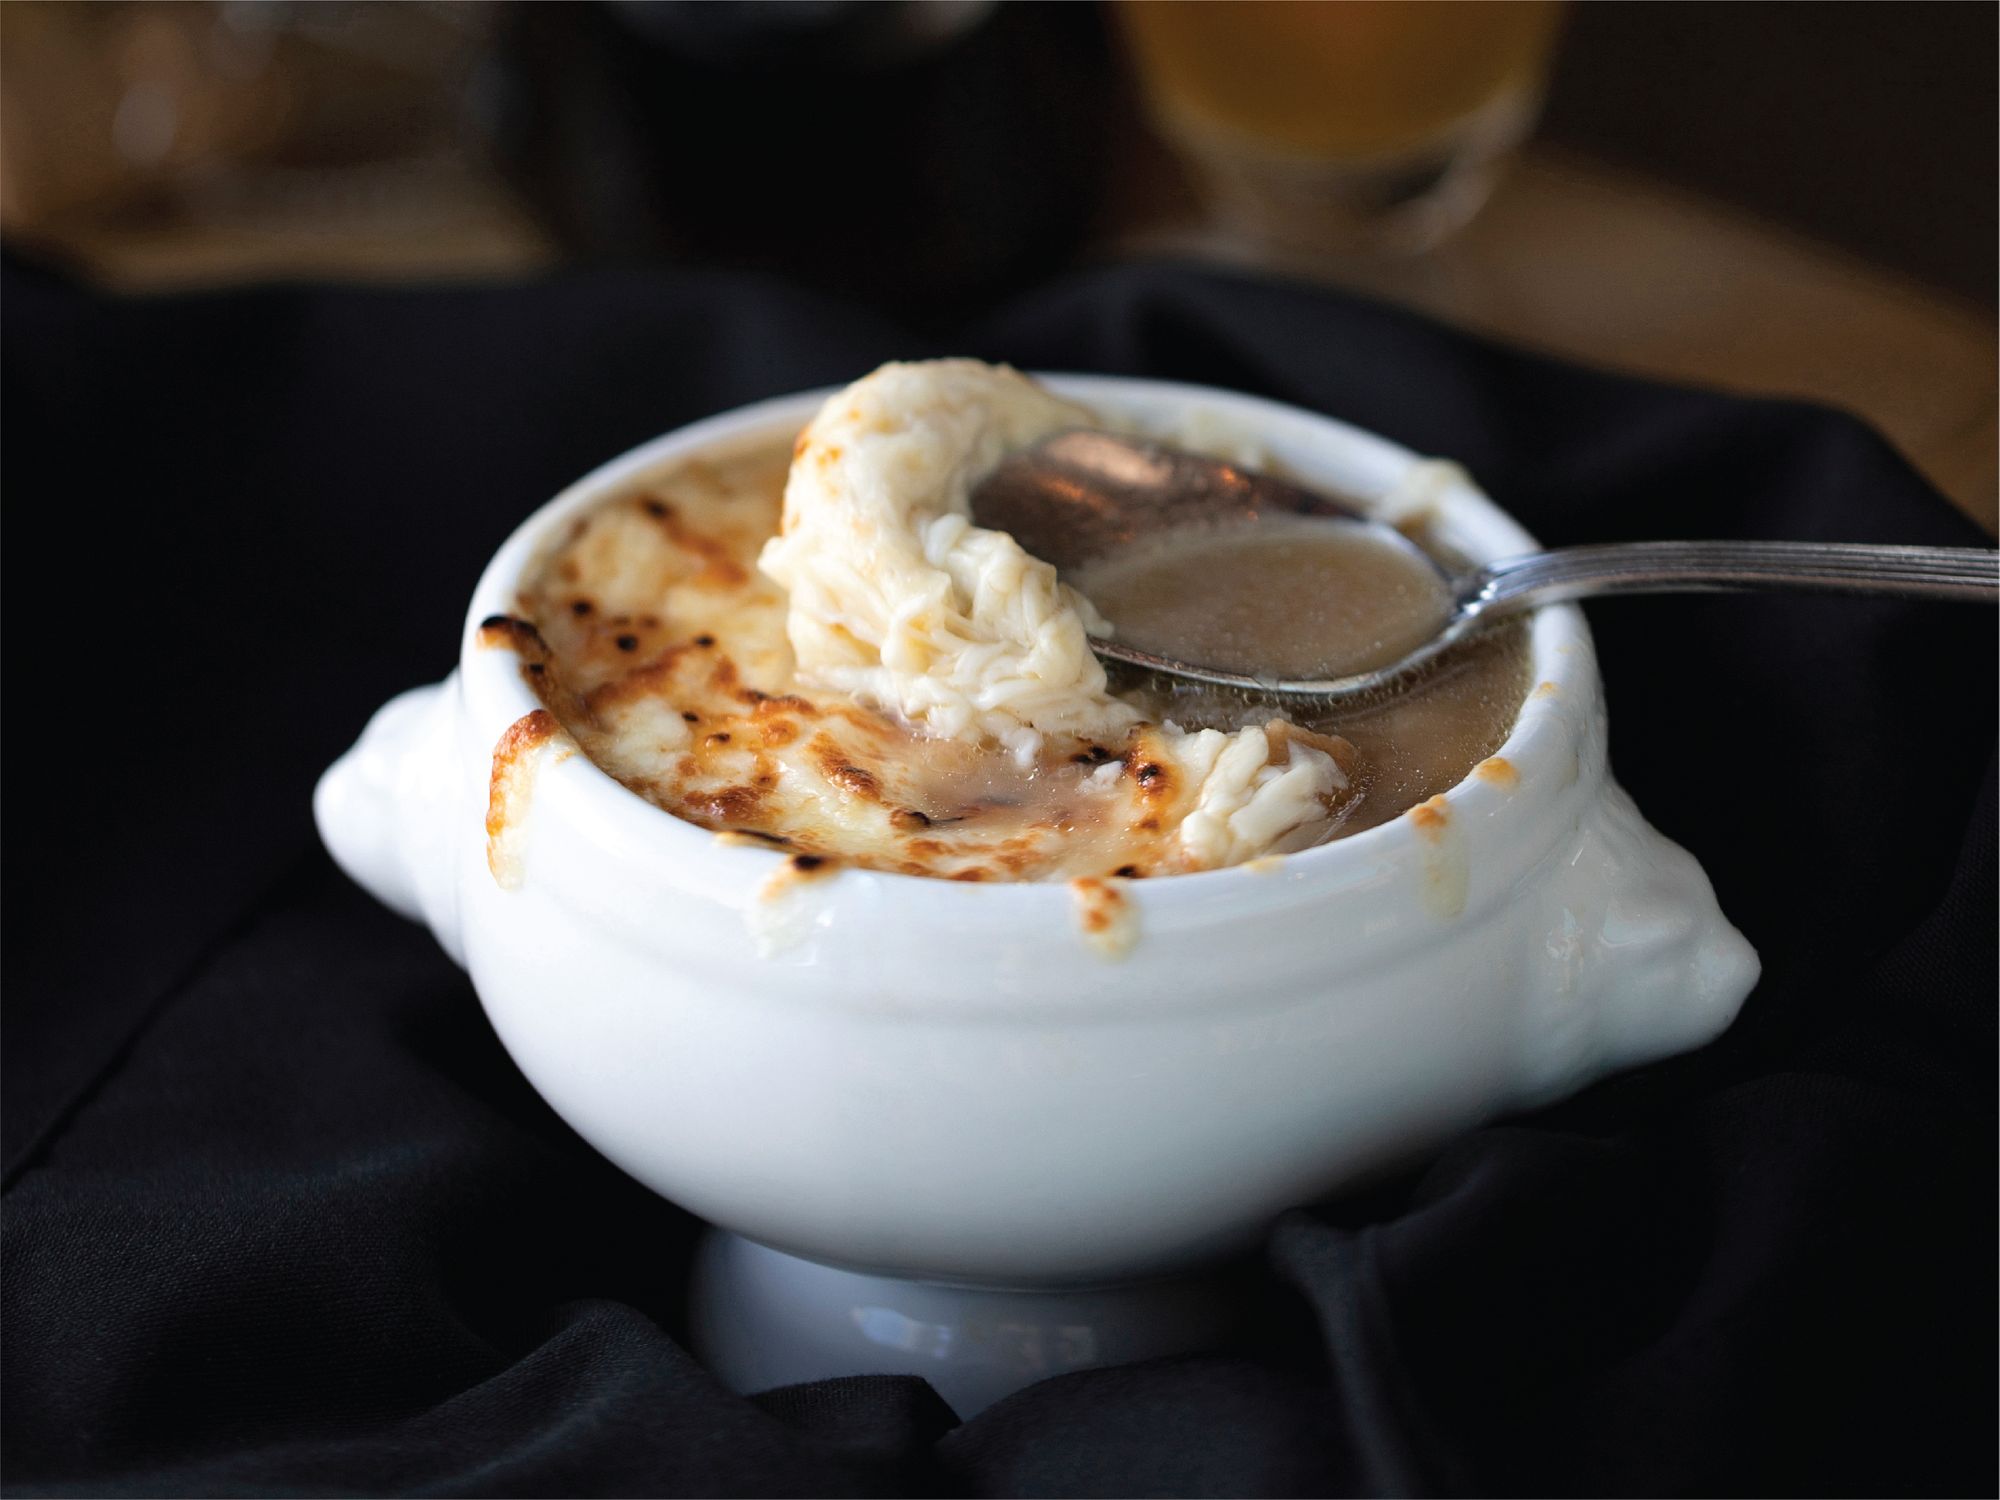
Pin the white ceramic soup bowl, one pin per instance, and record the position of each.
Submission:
(947, 1082)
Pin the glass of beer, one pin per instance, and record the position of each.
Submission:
(1343, 124)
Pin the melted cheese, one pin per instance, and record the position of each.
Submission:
(666, 653)
(899, 601)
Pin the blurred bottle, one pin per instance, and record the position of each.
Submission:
(922, 157)
(1343, 124)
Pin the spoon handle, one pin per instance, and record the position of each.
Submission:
(1971, 574)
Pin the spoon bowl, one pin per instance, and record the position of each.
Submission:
(1082, 499)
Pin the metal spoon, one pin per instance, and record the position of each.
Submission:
(1076, 497)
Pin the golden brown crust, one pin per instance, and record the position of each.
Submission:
(508, 788)
(1431, 818)
(518, 739)
(719, 569)
(836, 766)
(505, 631)
(1283, 735)
(1104, 914)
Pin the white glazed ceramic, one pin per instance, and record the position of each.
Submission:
(759, 1319)
(942, 1081)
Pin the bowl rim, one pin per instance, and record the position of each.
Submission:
(652, 843)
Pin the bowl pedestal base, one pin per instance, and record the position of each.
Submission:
(760, 1319)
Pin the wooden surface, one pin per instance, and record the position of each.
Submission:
(422, 220)
(1569, 257)
(1612, 270)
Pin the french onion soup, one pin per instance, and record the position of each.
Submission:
(818, 650)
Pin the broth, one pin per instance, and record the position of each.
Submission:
(1297, 597)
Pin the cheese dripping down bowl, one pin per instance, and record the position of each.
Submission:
(967, 1082)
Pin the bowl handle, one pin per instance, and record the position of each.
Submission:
(386, 809)
(1636, 961)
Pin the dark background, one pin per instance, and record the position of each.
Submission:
(1871, 125)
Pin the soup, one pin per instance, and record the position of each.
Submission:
(653, 637)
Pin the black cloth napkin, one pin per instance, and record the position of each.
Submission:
(281, 1218)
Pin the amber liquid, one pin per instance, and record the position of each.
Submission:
(1300, 597)
(1305, 597)
(1336, 79)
